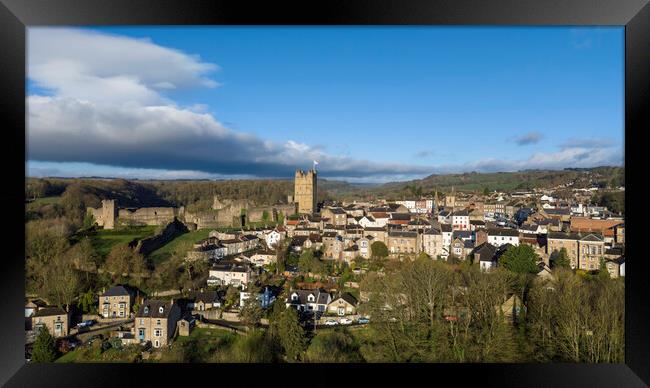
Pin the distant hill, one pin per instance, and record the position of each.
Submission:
(509, 181)
(198, 193)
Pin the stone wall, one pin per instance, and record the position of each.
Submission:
(147, 216)
(150, 244)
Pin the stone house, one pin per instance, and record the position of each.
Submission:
(308, 300)
(203, 300)
(234, 274)
(378, 233)
(55, 319)
(591, 249)
(186, 325)
(345, 304)
(156, 321)
(432, 243)
(116, 303)
(555, 241)
(615, 267)
(350, 253)
(364, 244)
(337, 216)
(400, 242)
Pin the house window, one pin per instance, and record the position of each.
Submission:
(158, 322)
(156, 343)
(157, 333)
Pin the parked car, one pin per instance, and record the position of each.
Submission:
(345, 321)
(87, 323)
(331, 322)
(363, 320)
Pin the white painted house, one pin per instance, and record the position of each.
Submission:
(498, 237)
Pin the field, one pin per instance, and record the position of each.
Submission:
(104, 240)
(165, 252)
(46, 200)
(69, 357)
(201, 346)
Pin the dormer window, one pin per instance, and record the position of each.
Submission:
(161, 309)
(310, 298)
(146, 309)
(294, 296)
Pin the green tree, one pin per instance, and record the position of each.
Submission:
(232, 296)
(333, 346)
(305, 262)
(603, 273)
(89, 221)
(486, 191)
(87, 302)
(285, 329)
(379, 250)
(561, 259)
(520, 259)
(44, 349)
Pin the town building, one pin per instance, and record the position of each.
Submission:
(56, 319)
(156, 321)
(116, 302)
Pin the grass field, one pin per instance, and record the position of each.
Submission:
(46, 200)
(165, 252)
(104, 240)
(69, 357)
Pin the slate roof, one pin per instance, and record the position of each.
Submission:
(204, 296)
(116, 291)
(502, 232)
(592, 237)
(49, 311)
(229, 267)
(463, 234)
(564, 236)
(151, 309)
(346, 296)
(403, 234)
(486, 251)
(319, 295)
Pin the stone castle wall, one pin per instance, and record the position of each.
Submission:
(225, 213)
(147, 216)
(171, 231)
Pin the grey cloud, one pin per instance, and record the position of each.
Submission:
(528, 138)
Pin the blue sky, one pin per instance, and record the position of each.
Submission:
(370, 103)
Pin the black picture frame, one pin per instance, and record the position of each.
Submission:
(16, 15)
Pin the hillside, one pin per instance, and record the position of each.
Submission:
(508, 181)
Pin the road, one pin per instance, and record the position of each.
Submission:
(100, 329)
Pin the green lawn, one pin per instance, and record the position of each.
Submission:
(46, 200)
(69, 357)
(201, 345)
(105, 239)
(163, 253)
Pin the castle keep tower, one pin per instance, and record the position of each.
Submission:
(305, 191)
(109, 213)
